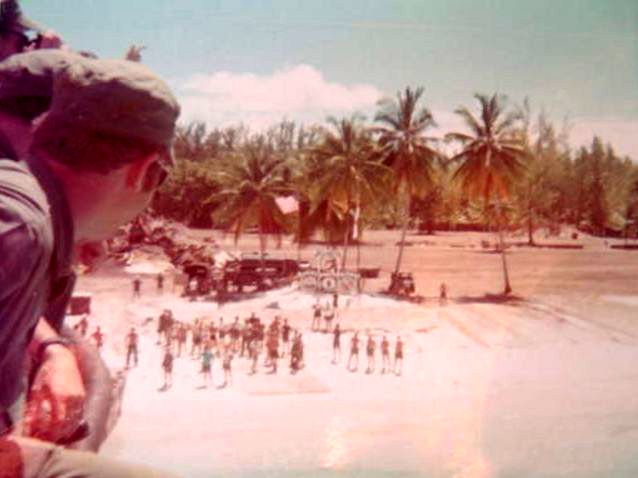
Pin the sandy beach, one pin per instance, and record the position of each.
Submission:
(542, 386)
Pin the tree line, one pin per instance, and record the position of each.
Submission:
(508, 169)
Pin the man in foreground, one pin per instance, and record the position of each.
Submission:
(26, 89)
(95, 161)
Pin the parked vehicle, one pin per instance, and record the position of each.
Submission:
(401, 284)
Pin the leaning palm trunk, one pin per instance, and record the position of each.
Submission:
(357, 228)
(262, 249)
(530, 227)
(301, 216)
(404, 231)
(507, 288)
(530, 231)
(530, 219)
(346, 241)
(299, 231)
(346, 236)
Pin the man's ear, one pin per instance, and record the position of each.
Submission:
(137, 172)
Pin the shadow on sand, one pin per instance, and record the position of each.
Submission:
(510, 299)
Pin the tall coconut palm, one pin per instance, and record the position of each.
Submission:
(249, 186)
(631, 208)
(407, 150)
(347, 175)
(491, 158)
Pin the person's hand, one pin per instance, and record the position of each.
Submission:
(51, 39)
(56, 402)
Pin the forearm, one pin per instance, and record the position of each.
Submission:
(99, 389)
(56, 380)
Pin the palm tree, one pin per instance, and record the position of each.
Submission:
(631, 210)
(347, 175)
(491, 158)
(406, 150)
(249, 187)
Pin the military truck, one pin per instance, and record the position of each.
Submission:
(236, 274)
(262, 274)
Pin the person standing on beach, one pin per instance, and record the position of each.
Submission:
(328, 317)
(160, 283)
(443, 294)
(222, 331)
(235, 334)
(197, 338)
(354, 352)
(253, 354)
(261, 334)
(300, 349)
(161, 326)
(246, 333)
(181, 338)
(272, 345)
(83, 326)
(170, 335)
(227, 366)
(167, 366)
(385, 354)
(98, 338)
(212, 335)
(212, 331)
(285, 337)
(131, 347)
(207, 359)
(296, 354)
(336, 344)
(370, 349)
(137, 288)
(316, 317)
(169, 324)
(275, 326)
(398, 357)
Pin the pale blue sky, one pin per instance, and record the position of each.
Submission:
(571, 57)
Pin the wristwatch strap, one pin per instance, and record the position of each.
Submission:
(52, 341)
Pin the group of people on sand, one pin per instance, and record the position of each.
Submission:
(137, 285)
(328, 313)
(209, 339)
(387, 365)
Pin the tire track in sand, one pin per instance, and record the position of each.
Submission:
(585, 324)
(465, 330)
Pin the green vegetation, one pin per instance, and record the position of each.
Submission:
(406, 149)
(491, 160)
(507, 171)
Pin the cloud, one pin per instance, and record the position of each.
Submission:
(300, 92)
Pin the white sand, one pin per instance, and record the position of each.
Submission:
(487, 390)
